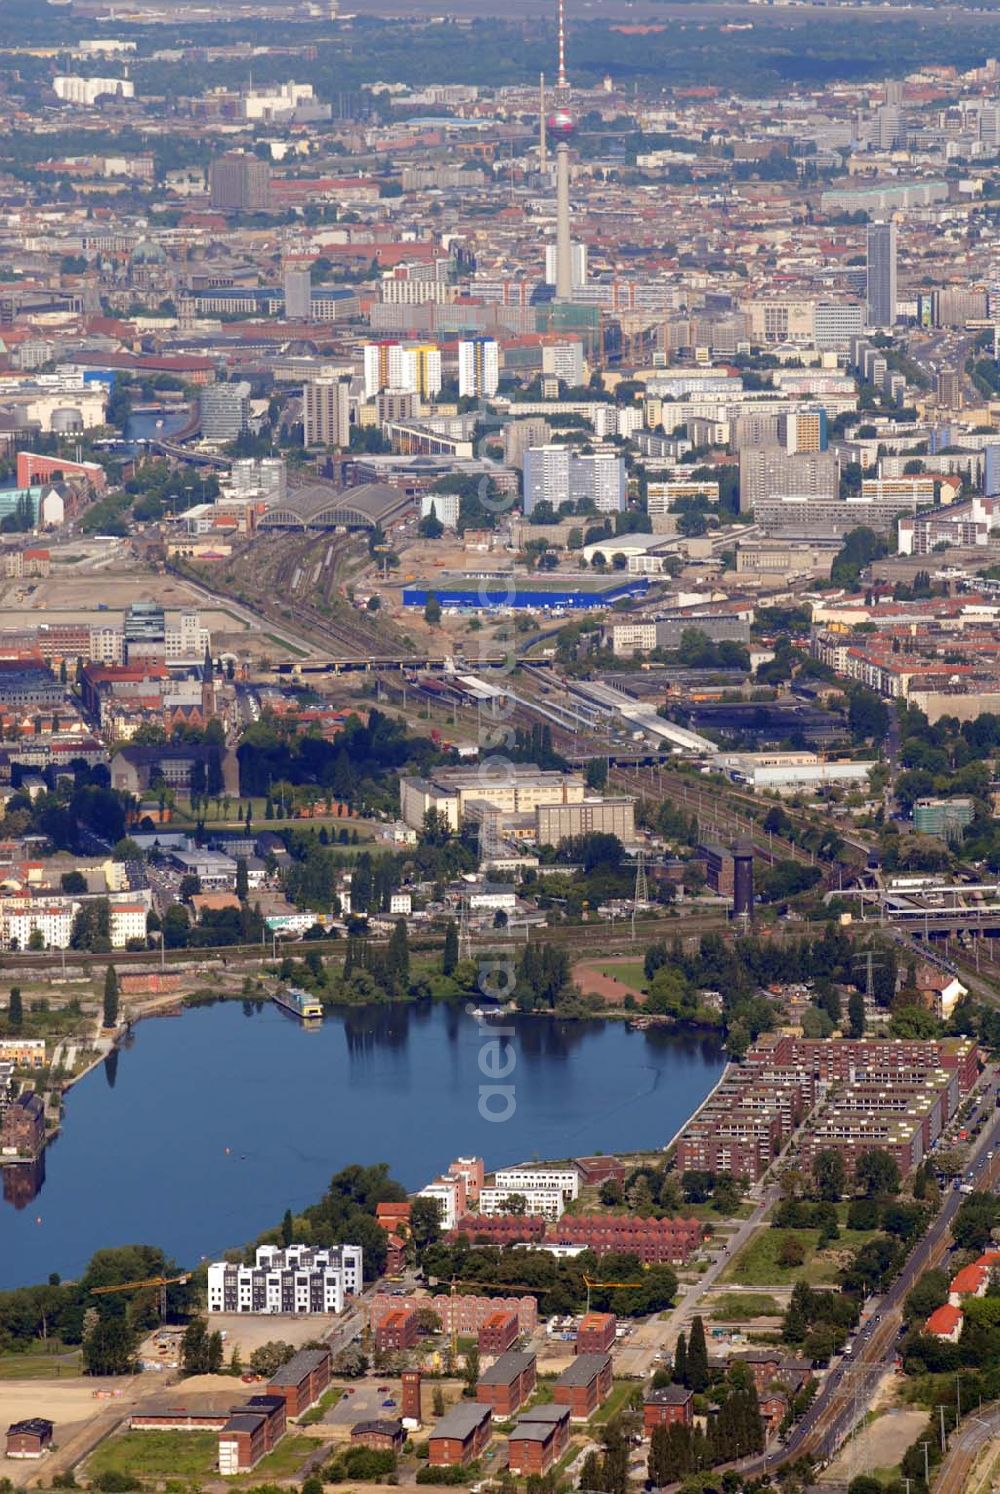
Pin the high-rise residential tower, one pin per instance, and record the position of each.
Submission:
(881, 267)
(478, 367)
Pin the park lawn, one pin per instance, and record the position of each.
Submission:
(757, 1263)
(52, 1364)
(710, 1215)
(327, 1399)
(614, 1403)
(743, 1307)
(156, 1455)
(286, 1459)
(629, 972)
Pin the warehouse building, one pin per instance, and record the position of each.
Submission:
(504, 593)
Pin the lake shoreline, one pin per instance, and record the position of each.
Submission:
(262, 1113)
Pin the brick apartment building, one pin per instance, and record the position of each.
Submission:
(397, 1330)
(538, 1439)
(751, 1116)
(654, 1241)
(382, 1436)
(770, 1368)
(22, 1129)
(499, 1333)
(584, 1385)
(28, 1439)
(461, 1314)
(664, 1407)
(596, 1334)
(507, 1384)
(845, 1057)
(853, 1132)
(500, 1229)
(250, 1433)
(460, 1436)
(302, 1380)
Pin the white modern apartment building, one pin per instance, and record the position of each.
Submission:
(326, 412)
(128, 921)
(20, 918)
(296, 1279)
(444, 506)
(478, 368)
(556, 474)
(410, 368)
(565, 360)
(450, 1196)
(549, 1202)
(566, 1180)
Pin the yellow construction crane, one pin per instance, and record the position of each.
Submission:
(589, 1282)
(148, 1281)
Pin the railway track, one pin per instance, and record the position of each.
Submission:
(713, 811)
(277, 571)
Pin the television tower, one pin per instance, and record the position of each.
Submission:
(561, 127)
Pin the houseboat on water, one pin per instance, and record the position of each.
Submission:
(299, 1003)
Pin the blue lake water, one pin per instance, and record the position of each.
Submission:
(206, 1127)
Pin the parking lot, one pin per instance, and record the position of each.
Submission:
(366, 1402)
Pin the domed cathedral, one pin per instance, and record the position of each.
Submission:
(147, 266)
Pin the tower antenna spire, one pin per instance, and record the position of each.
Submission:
(561, 79)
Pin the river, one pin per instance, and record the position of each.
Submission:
(148, 424)
(205, 1127)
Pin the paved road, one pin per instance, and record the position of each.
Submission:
(975, 1433)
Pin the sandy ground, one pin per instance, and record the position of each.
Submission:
(592, 982)
(248, 1332)
(881, 1445)
(72, 594)
(82, 1411)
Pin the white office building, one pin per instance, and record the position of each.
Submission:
(548, 1202)
(297, 1279)
(565, 1179)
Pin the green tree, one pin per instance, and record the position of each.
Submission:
(268, 1358)
(15, 1009)
(432, 610)
(876, 1172)
(697, 1357)
(425, 1223)
(681, 1361)
(398, 958)
(830, 1175)
(242, 879)
(109, 1348)
(470, 1371)
(449, 959)
(929, 1293)
(201, 1351)
(856, 1015)
(110, 997)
